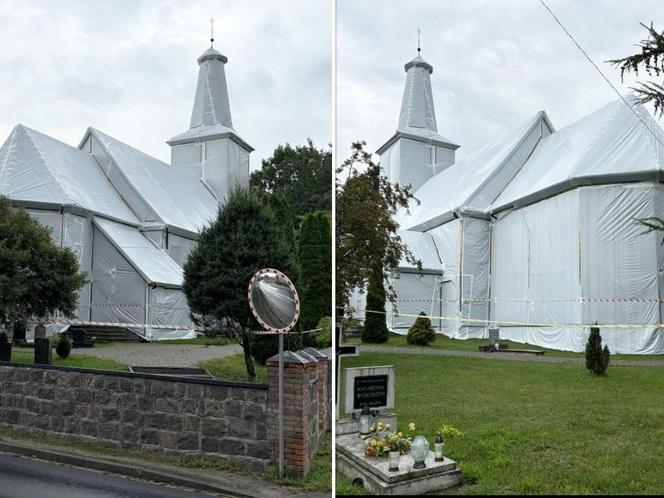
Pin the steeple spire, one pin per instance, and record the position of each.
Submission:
(212, 32)
(419, 31)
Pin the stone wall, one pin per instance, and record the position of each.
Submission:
(172, 415)
(306, 408)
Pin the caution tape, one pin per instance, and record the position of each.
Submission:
(84, 323)
(526, 300)
(496, 323)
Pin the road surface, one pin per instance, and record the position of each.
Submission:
(29, 478)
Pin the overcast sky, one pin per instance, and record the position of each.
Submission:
(496, 63)
(128, 68)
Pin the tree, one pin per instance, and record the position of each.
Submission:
(651, 58)
(368, 246)
(244, 238)
(37, 278)
(302, 174)
(597, 359)
(315, 256)
(375, 325)
(421, 333)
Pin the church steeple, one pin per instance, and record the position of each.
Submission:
(416, 152)
(211, 150)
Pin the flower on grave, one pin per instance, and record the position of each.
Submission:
(400, 434)
(388, 427)
(449, 432)
(411, 427)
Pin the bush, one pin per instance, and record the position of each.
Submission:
(324, 337)
(421, 333)
(63, 347)
(265, 346)
(597, 358)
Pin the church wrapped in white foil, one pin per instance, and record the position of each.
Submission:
(535, 232)
(132, 219)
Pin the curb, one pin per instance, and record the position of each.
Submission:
(123, 469)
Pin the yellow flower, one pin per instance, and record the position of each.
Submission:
(411, 426)
(400, 434)
(388, 427)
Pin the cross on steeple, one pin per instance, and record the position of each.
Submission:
(212, 31)
(419, 31)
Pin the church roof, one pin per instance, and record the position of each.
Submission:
(39, 170)
(176, 198)
(154, 265)
(458, 186)
(423, 247)
(610, 145)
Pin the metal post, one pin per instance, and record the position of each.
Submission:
(281, 405)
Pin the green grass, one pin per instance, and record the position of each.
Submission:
(78, 361)
(233, 368)
(199, 341)
(319, 478)
(536, 428)
(444, 342)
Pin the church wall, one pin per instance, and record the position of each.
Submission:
(474, 277)
(179, 248)
(187, 158)
(118, 291)
(620, 263)
(447, 238)
(390, 162)
(416, 163)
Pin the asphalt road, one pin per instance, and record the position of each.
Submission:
(28, 478)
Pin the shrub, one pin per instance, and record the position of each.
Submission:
(421, 333)
(324, 337)
(597, 358)
(63, 347)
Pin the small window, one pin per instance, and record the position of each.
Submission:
(203, 152)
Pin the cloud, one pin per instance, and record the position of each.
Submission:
(129, 68)
(496, 63)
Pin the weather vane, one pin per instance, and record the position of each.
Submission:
(211, 31)
(418, 41)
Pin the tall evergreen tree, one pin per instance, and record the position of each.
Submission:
(375, 326)
(315, 257)
(37, 278)
(245, 237)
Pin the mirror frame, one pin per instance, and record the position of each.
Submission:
(288, 282)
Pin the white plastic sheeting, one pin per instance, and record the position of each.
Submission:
(38, 169)
(153, 264)
(611, 143)
(459, 186)
(176, 198)
(423, 249)
(577, 258)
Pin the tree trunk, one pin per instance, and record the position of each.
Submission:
(248, 360)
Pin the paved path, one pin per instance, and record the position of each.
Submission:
(30, 478)
(504, 356)
(160, 355)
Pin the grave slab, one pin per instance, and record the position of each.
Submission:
(375, 477)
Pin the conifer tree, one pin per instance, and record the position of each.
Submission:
(315, 258)
(421, 333)
(375, 327)
(597, 358)
(244, 238)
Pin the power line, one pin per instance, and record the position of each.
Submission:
(601, 73)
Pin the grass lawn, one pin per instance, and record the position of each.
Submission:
(233, 368)
(535, 427)
(444, 342)
(79, 361)
(319, 479)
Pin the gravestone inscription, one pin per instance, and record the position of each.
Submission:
(373, 386)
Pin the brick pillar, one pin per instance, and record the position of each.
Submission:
(299, 442)
(323, 389)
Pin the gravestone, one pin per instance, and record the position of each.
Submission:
(372, 386)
